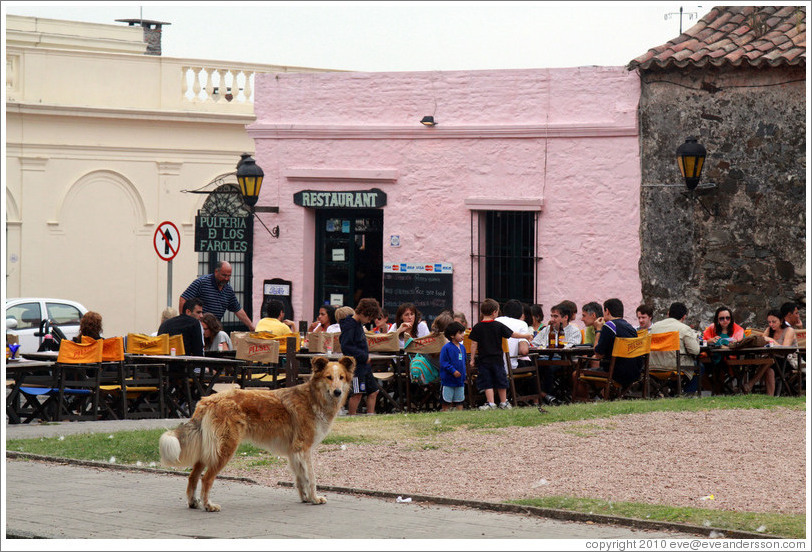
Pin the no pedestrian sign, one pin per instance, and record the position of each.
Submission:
(166, 241)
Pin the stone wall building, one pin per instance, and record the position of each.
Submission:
(736, 81)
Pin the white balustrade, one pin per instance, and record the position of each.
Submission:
(216, 85)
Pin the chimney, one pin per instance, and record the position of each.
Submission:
(152, 33)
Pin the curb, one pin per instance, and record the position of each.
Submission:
(109, 466)
(552, 513)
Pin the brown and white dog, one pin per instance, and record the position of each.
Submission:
(289, 422)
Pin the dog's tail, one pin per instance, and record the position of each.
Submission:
(182, 447)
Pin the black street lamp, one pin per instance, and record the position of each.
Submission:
(690, 158)
(249, 176)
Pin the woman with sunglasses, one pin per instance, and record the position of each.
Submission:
(723, 331)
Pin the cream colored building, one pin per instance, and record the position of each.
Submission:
(101, 139)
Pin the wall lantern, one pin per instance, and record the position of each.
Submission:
(691, 158)
(428, 120)
(249, 176)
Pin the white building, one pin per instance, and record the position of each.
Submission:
(101, 140)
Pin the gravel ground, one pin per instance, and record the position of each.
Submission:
(748, 460)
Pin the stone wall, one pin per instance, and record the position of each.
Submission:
(752, 255)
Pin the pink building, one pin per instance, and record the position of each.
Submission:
(528, 187)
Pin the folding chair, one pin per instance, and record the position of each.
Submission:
(268, 375)
(662, 344)
(37, 397)
(528, 379)
(624, 347)
(80, 375)
(143, 389)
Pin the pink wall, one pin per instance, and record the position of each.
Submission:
(565, 139)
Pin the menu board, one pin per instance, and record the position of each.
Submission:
(428, 285)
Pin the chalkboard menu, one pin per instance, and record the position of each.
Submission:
(428, 285)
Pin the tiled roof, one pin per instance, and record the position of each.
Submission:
(759, 36)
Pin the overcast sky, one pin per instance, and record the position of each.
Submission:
(396, 36)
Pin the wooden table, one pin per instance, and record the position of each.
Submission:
(193, 376)
(546, 357)
(779, 354)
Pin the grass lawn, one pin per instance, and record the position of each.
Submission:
(140, 448)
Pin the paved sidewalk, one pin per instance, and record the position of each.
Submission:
(51, 500)
(57, 501)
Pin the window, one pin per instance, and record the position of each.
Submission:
(27, 315)
(503, 256)
(62, 314)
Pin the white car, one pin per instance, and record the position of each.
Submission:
(24, 316)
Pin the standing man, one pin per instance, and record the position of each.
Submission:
(188, 325)
(688, 346)
(217, 294)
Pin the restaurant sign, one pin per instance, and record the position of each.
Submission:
(363, 199)
(223, 234)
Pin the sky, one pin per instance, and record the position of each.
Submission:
(397, 36)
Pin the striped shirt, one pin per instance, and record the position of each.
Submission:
(215, 300)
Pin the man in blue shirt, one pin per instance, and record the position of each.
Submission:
(627, 370)
(216, 293)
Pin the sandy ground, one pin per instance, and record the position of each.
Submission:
(748, 460)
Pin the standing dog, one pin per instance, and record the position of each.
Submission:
(289, 422)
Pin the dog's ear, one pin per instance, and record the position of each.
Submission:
(348, 362)
(318, 363)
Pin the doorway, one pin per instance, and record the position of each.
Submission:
(349, 256)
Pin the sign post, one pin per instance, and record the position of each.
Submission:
(167, 244)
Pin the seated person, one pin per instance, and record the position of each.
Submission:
(777, 333)
(188, 325)
(459, 316)
(381, 323)
(213, 333)
(512, 316)
(589, 316)
(409, 323)
(90, 325)
(688, 345)
(559, 332)
(644, 317)
(723, 331)
(555, 335)
(275, 321)
(791, 316)
(325, 319)
(611, 325)
(537, 318)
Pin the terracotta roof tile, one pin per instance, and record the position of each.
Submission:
(732, 35)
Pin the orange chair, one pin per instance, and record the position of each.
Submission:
(668, 342)
(624, 347)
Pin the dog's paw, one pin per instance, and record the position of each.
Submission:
(194, 504)
(212, 507)
(320, 500)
